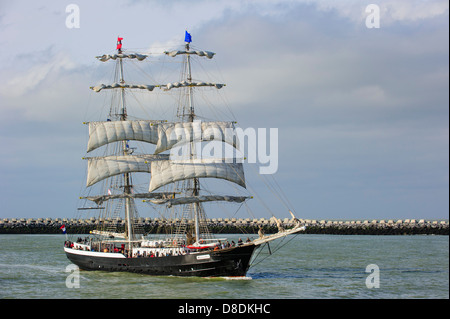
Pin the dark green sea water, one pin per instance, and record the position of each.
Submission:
(307, 266)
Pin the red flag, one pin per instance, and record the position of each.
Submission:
(119, 43)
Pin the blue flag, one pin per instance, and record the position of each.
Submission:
(187, 37)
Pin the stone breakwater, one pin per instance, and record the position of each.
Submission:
(232, 225)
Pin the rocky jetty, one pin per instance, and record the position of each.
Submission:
(234, 225)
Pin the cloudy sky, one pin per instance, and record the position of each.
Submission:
(362, 113)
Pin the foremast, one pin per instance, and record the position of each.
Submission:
(118, 113)
(124, 151)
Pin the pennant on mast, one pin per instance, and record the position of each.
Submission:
(119, 44)
(187, 37)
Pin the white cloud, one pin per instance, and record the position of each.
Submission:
(390, 11)
(20, 84)
(408, 10)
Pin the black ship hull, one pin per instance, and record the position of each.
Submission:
(228, 262)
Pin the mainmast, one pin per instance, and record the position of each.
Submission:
(196, 182)
(196, 166)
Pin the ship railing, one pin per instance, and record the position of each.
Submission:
(158, 252)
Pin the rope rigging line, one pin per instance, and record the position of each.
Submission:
(275, 192)
(278, 247)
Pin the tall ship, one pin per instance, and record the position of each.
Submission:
(176, 189)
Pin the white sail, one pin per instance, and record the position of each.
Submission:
(198, 199)
(102, 133)
(165, 172)
(106, 57)
(100, 168)
(176, 134)
(164, 135)
(193, 84)
(102, 198)
(100, 87)
(174, 53)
